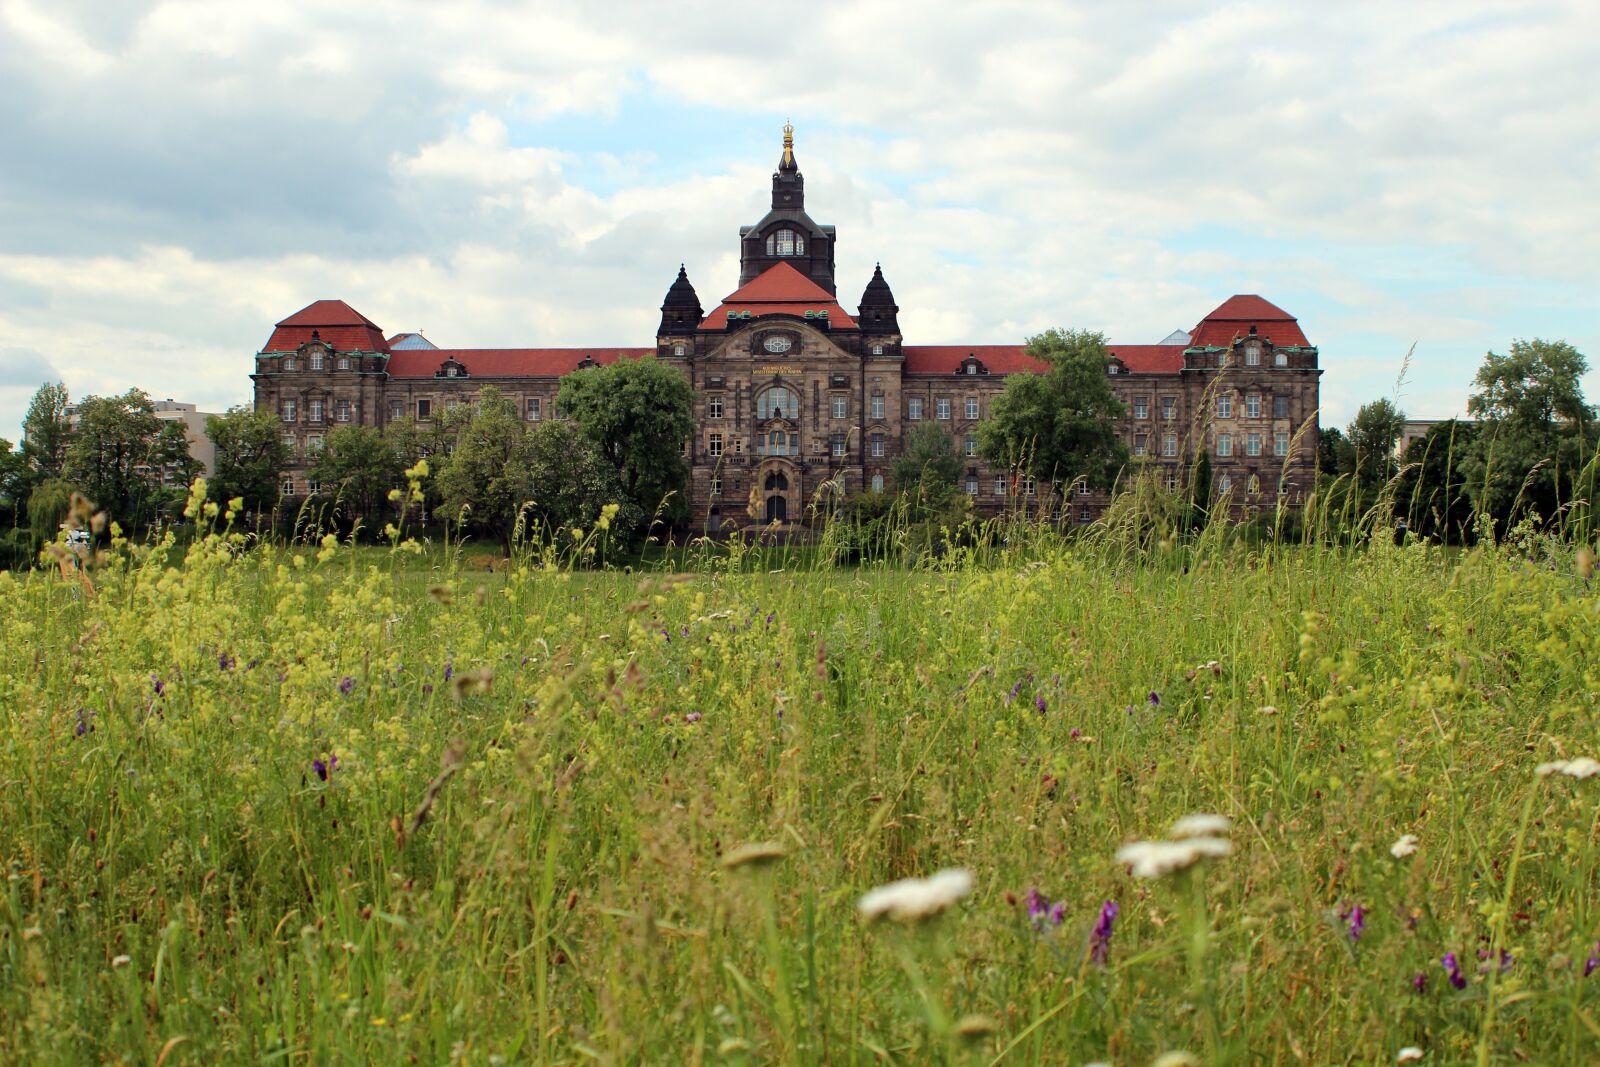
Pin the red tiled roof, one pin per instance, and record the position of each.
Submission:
(338, 324)
(504, 362)
(1149, 359)
(1233, 319)
(944, 359)
(779, 290)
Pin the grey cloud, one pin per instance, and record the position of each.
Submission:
(25, 367)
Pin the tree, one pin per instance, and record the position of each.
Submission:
(928, 465)
(358, 466)
(1373, 433)
(1431, 496)
(14, 483)
(639, 411)
(1060, 425)
(251, 455)
(1334, 454)
(1538, 385)
(571, 480)
(46, 431)
(485, 480)
(116, 454)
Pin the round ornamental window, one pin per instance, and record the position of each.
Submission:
(777, 343)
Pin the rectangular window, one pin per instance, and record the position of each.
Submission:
(714, 408)
(1029, 485)
(313, 487)
(1140, 446)
(714, 444)
(1252, 356)
(877, 444)
(344, 362)
(970, 446)
(397, 410)
(1252, 406)
(999, 485)
(289, 442)
(972, 486)
(738, 446)
(716, 485)
(424, 410)
(972, 408)
(288, 411)
(1141, 407)
(1224, 406)
(1169, 408)
(343, 408)
(535, 409)
(836, 443)
(1169, 444)
(314, 410)
(314, 444)
(1224, 483)
(1253, 486)
(315, 361)
(841, 407)
(1280, 443)
(942, 407)
(877, 483)
(1280, 407)
(914, 408)
(1082, 488)
(1224, 444)
(877, 405)
(1172, 482)
(1085, 515)
(451, 403)
(1252, 444)
(288, 487)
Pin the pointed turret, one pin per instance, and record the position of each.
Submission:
(788, 184)
(680, 311)
(879, 312)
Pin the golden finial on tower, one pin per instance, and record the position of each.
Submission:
(788, 143)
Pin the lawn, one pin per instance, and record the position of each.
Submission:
(371, 806)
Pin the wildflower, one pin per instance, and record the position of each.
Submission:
(916, 899)
(323, 770)
(1407, 1054)
(1200, 826)
(1590, 964)
(121, 961)
(1038, 907)
(1156, 859)
(346, 684)
(769, 618)
(693, 716)
(1358, 921)
(754, 854)
(1419, 982)
(449, 669)
(1405, 846)
(1014, 691)
(1268, 710)
(84, 725)
(226, 662)
(1452, 970)
(1100, 936)
(157, 686)
(1154, 699)
(1582, 767)
(1038, 702)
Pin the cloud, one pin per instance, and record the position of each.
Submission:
(181, 174)
(25, 367)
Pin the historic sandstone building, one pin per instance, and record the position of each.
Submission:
(795, 395)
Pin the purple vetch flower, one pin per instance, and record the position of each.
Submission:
(226, 662)
(1452, 970)
(1014, 691)
(685, 632)
(1419, 982)
(157, 686)
(1358, 921)
(1058, 913)
(346, 684)
(427, 687)
(1038, 907)
(85, 726)
(325, 769)
(524, 662)
(1593, 961)
(1506, 960)
(667, 634)
(1038, 702)
(251, 665)
(449, 669)
(769, 617)
(1155, 699)
(693, 716)
(1100, 937)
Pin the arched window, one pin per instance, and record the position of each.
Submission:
(779, 402)
(777, 482)
(785, 242)
(316, 359)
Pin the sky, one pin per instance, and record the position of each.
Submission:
(175, 177)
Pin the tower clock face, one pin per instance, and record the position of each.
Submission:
(777, 344)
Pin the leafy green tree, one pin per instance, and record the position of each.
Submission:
(639, 411)
(48, 504)
(929, 464)
(14, 484)
(358, 466)
(1431, 496)
(1334, 454)
(1060, 425)
(117, 455)
(251, 456)
(46, 431)
(1373, 433)
(1200, 491)
(571, 480)
(485, 481)
(1538, 385)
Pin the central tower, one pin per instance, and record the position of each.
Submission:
(786, 233)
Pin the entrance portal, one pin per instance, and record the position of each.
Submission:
(777, 508)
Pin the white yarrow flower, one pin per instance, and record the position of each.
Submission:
(1200, 826)
(916, 899)
(1405, 846)
(1156, 859)
(1407, 1054)
(1582, 767)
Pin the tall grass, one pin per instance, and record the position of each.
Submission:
(528, 778)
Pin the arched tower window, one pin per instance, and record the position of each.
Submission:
(779, 402)
(785, 242)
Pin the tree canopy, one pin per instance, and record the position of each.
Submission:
(639, 411)
(1373, 434)
(1060, 425)
(118, 453)
(46, 431)
(358, 465)
(251, 454)
(929, 464)
(486, 478)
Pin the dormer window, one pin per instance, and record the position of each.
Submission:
(451, 372)
(316, 359)
(451, 369)
(971, 365)
(586, 362)
(785, 242)
(877, 350)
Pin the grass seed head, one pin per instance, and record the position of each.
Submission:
(754, 854)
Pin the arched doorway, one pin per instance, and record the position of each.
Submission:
(776, 487)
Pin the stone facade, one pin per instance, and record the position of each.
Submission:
(795, 397)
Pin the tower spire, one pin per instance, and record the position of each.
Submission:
(787, 162)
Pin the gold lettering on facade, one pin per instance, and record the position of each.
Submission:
(777, 368)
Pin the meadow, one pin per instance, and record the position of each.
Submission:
(338, 805)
